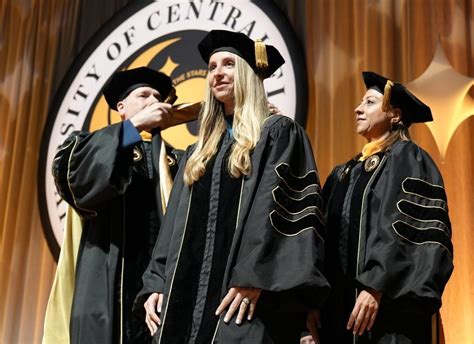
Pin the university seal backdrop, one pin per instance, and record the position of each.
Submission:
(162, 35)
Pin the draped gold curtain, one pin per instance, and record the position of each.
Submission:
(29, 41)
(38, 41)
(397, 38)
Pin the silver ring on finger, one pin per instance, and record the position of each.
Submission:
(246, 300)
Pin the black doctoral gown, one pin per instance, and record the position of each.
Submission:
(112, 187)
(388, 229)
(263, 231)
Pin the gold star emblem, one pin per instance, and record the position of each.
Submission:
(448, 93)
(169, 66)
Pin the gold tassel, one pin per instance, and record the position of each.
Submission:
(386, 96)
(261, 59)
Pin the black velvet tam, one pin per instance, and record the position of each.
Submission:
(413, 109)
(241, 45)
(122, 83)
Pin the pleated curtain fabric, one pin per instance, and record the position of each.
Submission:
(32, 35)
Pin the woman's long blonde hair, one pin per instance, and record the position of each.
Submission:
(250, 112)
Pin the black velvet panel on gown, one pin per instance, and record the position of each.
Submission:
(197, 285)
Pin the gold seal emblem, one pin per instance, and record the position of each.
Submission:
(171, 161)
(371, 163)
(137, 154)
